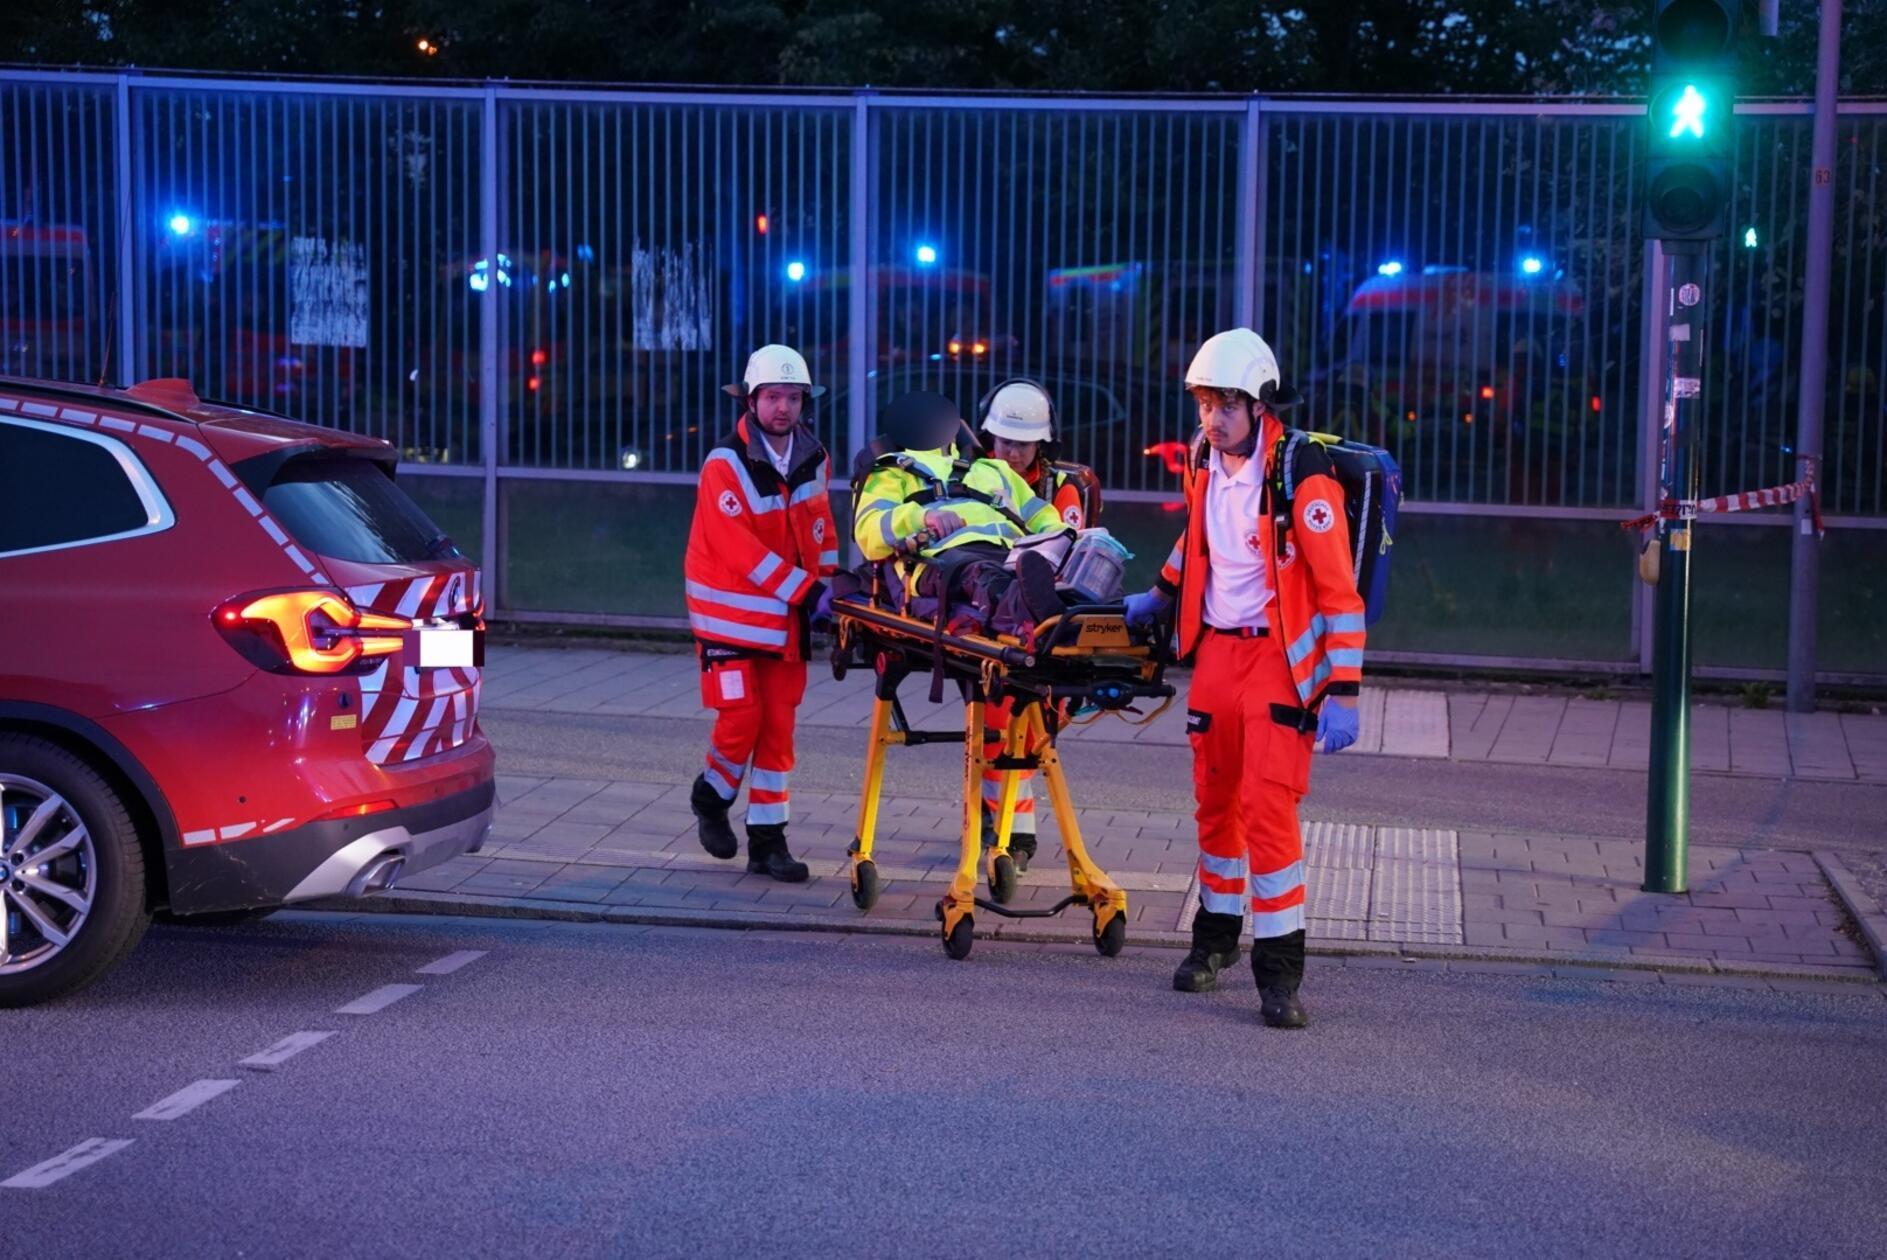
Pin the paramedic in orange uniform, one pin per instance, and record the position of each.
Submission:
(762, 544)
(1268, 611)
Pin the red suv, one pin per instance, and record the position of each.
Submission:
(239, 668)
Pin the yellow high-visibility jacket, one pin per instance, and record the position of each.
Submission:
(893, 501)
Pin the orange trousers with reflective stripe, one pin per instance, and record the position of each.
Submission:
(757, 729)
(1249, 773)
(996, 718)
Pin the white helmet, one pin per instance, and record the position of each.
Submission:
(1239, 359)
(774, 365)
(1019, 410)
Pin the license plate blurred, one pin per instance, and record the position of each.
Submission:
(451, 649)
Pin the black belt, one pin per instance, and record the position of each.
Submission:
(1244, 632)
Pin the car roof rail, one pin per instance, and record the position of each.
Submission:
(76, 392)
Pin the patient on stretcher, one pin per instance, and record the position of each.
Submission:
(943, 526)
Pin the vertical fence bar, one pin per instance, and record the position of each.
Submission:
(128, 356)
(858, 313)
(493, 552)
(1251, 167)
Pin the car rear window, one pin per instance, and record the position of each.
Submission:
(349, 509)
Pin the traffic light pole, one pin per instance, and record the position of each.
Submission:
(1667, 812)
(1805, 555)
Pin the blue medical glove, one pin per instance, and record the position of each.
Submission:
(1337, 725)
(1147, 607)
(822, 607)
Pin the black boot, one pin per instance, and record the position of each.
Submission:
(1214, 947)
(1016, 603)
(1021, 843)
(1036, 577)
(1277, 964)
(717, 835)
(1022, 848)
(767, 855)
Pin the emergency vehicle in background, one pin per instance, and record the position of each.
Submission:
(45, 299)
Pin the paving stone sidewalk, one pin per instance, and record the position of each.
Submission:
(1396, 721)
(625, 846)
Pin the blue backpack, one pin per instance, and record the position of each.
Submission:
(1372, 491)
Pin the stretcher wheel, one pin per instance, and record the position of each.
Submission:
(1002, 879)
(1110, 939)
(959, 939)
(865, 884)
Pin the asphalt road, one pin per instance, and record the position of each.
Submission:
(604, 1090)
(1725, 810)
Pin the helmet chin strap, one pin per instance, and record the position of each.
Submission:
(1244, 449)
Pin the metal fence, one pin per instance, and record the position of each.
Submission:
(537, 293)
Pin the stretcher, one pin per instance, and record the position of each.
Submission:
(1077, 667)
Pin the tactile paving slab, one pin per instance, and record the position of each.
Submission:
(1417, 844)
(1338, 893)
(1416, 901)
(1347, 845)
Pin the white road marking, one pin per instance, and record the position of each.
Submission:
(59, 1167)
(283, 1050)
(186, 1100)
(381, 998)
(450, 963)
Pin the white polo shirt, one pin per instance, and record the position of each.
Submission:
(782, 460)
(1240, 588)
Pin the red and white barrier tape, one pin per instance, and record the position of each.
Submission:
(1774, 496)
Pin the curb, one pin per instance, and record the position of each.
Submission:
(1593, 965)
(1856, 901)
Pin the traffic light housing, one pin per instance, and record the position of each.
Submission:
(1691, 141)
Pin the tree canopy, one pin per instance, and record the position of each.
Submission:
(1559, 47)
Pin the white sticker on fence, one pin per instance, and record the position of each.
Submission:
(327, 293)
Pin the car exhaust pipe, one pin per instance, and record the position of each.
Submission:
(377, 876)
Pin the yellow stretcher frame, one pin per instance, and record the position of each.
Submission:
(1086, 655)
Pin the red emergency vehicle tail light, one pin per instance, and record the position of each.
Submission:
(307, 631)
(1595, 404)
(1487, 391)
(359, 810)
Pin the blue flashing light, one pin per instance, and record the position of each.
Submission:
(1749, 238)
(1532, 265)
(926, 255)
(480, 279)
(180, 224)
(796, 271)
(1390, 268)
(565, 277)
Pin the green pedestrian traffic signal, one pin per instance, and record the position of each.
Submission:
(1690, 141)
(1687, 114)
